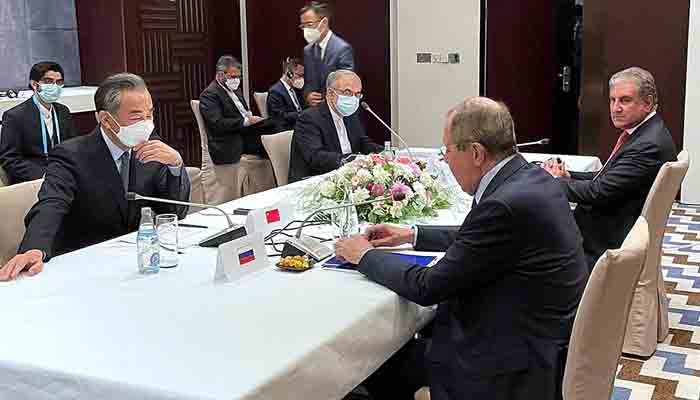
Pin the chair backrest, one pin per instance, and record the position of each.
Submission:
(16, 201)
(4, 179)
(196, 189)
(657, 208)
(599, 328)
(261, 101)
(278, 147)
(202, 127)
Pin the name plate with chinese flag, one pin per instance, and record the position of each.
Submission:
(267, 219)
(241, 257)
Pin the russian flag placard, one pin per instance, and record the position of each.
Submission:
(273, 216)
(246, 255)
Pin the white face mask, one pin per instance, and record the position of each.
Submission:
(134, 134)
(298, 83)
(233, 83)
(312, 35)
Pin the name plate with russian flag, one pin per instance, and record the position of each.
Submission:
(267, 219)
(241, 257)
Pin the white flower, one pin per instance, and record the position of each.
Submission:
(328, 189)
(396, 210)
(419, 189)
(427, 180)
(364, 175)
(361, 195)
(380, 175)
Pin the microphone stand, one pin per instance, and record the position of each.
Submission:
(544, 141)
(231, 233)
(401, 140)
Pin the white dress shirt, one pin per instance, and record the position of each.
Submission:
(324, 43)
(246, 114)
(650, 116)
(292, 94)
(47, 117)
(345, 146)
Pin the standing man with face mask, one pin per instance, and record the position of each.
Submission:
(284, 102)
(326, 134)
(83, 198)
(31, 129)
(326, 52)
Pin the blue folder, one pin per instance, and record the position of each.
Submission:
(424, 261)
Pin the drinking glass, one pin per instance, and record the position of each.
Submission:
(167, 228)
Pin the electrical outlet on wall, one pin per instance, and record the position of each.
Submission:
(436, 58)
(424, 58)
(453, 58)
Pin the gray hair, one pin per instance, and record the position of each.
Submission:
(485, 121)
(642, 78)
(226, 62)
(109, 95)
(334, 76)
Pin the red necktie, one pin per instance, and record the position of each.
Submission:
(624, 137)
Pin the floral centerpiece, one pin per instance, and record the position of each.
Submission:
(379, 176)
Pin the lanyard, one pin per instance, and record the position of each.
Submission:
(54, 121)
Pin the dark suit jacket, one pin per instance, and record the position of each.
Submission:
(281, 107)
(609, 205)
(508, 288)
(339, 55)
(82, 201)
(21, 146)
(228, 138)
(315, 146)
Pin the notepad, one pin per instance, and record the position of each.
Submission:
(415, 259)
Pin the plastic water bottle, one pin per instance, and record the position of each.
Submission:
(147, 244)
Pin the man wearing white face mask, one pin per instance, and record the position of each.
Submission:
(326, 134)
(326, 52)
(31, 129)
(284, 102)
(83, 198)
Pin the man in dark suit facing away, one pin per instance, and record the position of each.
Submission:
(284, 102)
(326, 52)
(83, 198)
(508, 286)
(232, 128)
(326, 134)
(31, 129)
(610, 200)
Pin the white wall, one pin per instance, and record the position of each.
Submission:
(691, 132)
(422, 93)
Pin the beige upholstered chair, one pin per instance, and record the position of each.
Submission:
(648, 320)
(599, 328)
(4, 180)
(196, 191)
(226, 182)
(261, 101)
(16, 201)
(278, 147)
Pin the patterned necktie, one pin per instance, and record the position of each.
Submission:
(124, 170)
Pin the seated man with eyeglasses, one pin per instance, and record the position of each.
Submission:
(327, 134)
(31, 129)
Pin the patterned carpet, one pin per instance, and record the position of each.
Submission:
(673, 372)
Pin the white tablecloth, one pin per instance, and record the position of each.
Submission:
(90, 327)
(77, 99)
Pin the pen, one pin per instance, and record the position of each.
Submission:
(193, 226)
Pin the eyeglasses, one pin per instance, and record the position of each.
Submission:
(309, 24)
(349, 93)
(49, 81)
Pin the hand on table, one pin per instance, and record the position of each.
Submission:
(556, 168)
(388, 235)
(32, 261)
(353, 248)
(155, 150)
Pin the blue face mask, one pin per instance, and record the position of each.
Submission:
(347, 105)
(50, 92)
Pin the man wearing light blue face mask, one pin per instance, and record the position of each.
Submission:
(327, 134)
(31, 129)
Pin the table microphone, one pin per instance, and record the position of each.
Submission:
(544, 141)
(233, 231)
(300, 245)
(393, 132)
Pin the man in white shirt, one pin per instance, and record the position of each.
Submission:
(327, 134)
(32, 129)
(326, 52)
(284, 101)
(610, 200)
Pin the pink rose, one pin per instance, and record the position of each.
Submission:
(377, 190)
(377, 159)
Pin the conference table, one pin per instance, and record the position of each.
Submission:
(91, 327)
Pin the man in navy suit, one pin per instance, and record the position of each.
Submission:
(83, 198)
(32, 129)
(284, 103)
(325, 53)
(610, 200)
(508, 286)
(327, 134)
